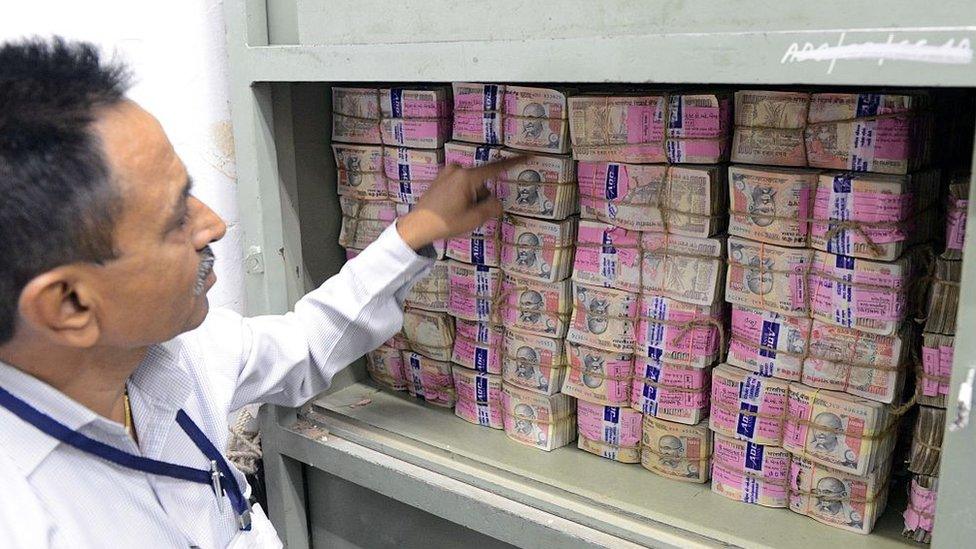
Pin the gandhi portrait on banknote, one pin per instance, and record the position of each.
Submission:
(527, 368)
(528, 194)
(827, 439)
(671, 454)
(528, 253)
(759, 275)
(592, 371)
(530, 305)
(833, 501)
(353, 173)
(533, 122)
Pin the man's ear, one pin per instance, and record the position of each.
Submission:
(60, 306)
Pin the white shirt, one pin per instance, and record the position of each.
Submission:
(53, 495)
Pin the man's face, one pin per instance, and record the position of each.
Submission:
(156, 287)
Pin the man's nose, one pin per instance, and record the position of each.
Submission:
(208, 226)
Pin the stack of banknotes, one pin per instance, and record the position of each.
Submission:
(613, 432)
(478, 113)
(837, 498)
(385, 364)
(542, 421)
(858, 132)
(429, 379)
(542, 186)
(648, 128)
(483, 245)
(677, 451)
(536, 119)
(933, 375)
(919, 514)
(750, 473)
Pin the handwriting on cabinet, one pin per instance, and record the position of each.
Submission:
(951, 51)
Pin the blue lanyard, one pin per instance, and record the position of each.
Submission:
(218, 473)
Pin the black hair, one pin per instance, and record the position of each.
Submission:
(57, 199)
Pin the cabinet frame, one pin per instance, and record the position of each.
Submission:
(266, 50)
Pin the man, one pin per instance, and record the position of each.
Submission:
(115, 381)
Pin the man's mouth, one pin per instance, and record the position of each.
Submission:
(204, 271)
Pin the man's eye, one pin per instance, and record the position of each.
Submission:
(185, 220)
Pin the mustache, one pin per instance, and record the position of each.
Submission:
(207, 259)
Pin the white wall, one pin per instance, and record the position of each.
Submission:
(177, 51)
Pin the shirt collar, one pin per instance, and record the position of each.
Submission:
(159, 378)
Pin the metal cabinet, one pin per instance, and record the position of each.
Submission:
(285, 54)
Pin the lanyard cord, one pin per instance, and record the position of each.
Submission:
(63, 433)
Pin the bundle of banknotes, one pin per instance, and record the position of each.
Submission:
(840, 431)
(873, 216)
(410, 172)
(936, 367)
(429, 379)
(926, 451)
(836, 498)
(678, 199)
(769, 127)
(478, 112)
(598, 376)
(473, 291)
(603, 318)
(429, 333)
(541, 186)
(612, 432)
(769, 343)
(677, 451)
(356, 115)
(432, 292)
(768, 277)
(919, 514)
(535, 119)
(479, 397)
(671, 392)
(865, 132)
(534, 362)
(385, 364)
(417, 117)
(943, 299)
(537, 307)
(872, 296)
(645, 128)
(537, 249)
(685, 268)
(482, 246)
(750, 473)
(364, 220)
(478, 346)
(819, 354)
(956, 208)
(607, 255)
(860, 363)
(675, 332)
(748, 406)
(360, 171)
(771, 204)
(543, 421)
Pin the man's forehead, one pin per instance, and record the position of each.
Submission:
(138, 151)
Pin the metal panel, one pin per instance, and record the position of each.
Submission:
(906, 56)
(409, 21)
(379, 522)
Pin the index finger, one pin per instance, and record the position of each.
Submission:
(490, 170)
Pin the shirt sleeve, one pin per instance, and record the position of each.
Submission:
(290, 358)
